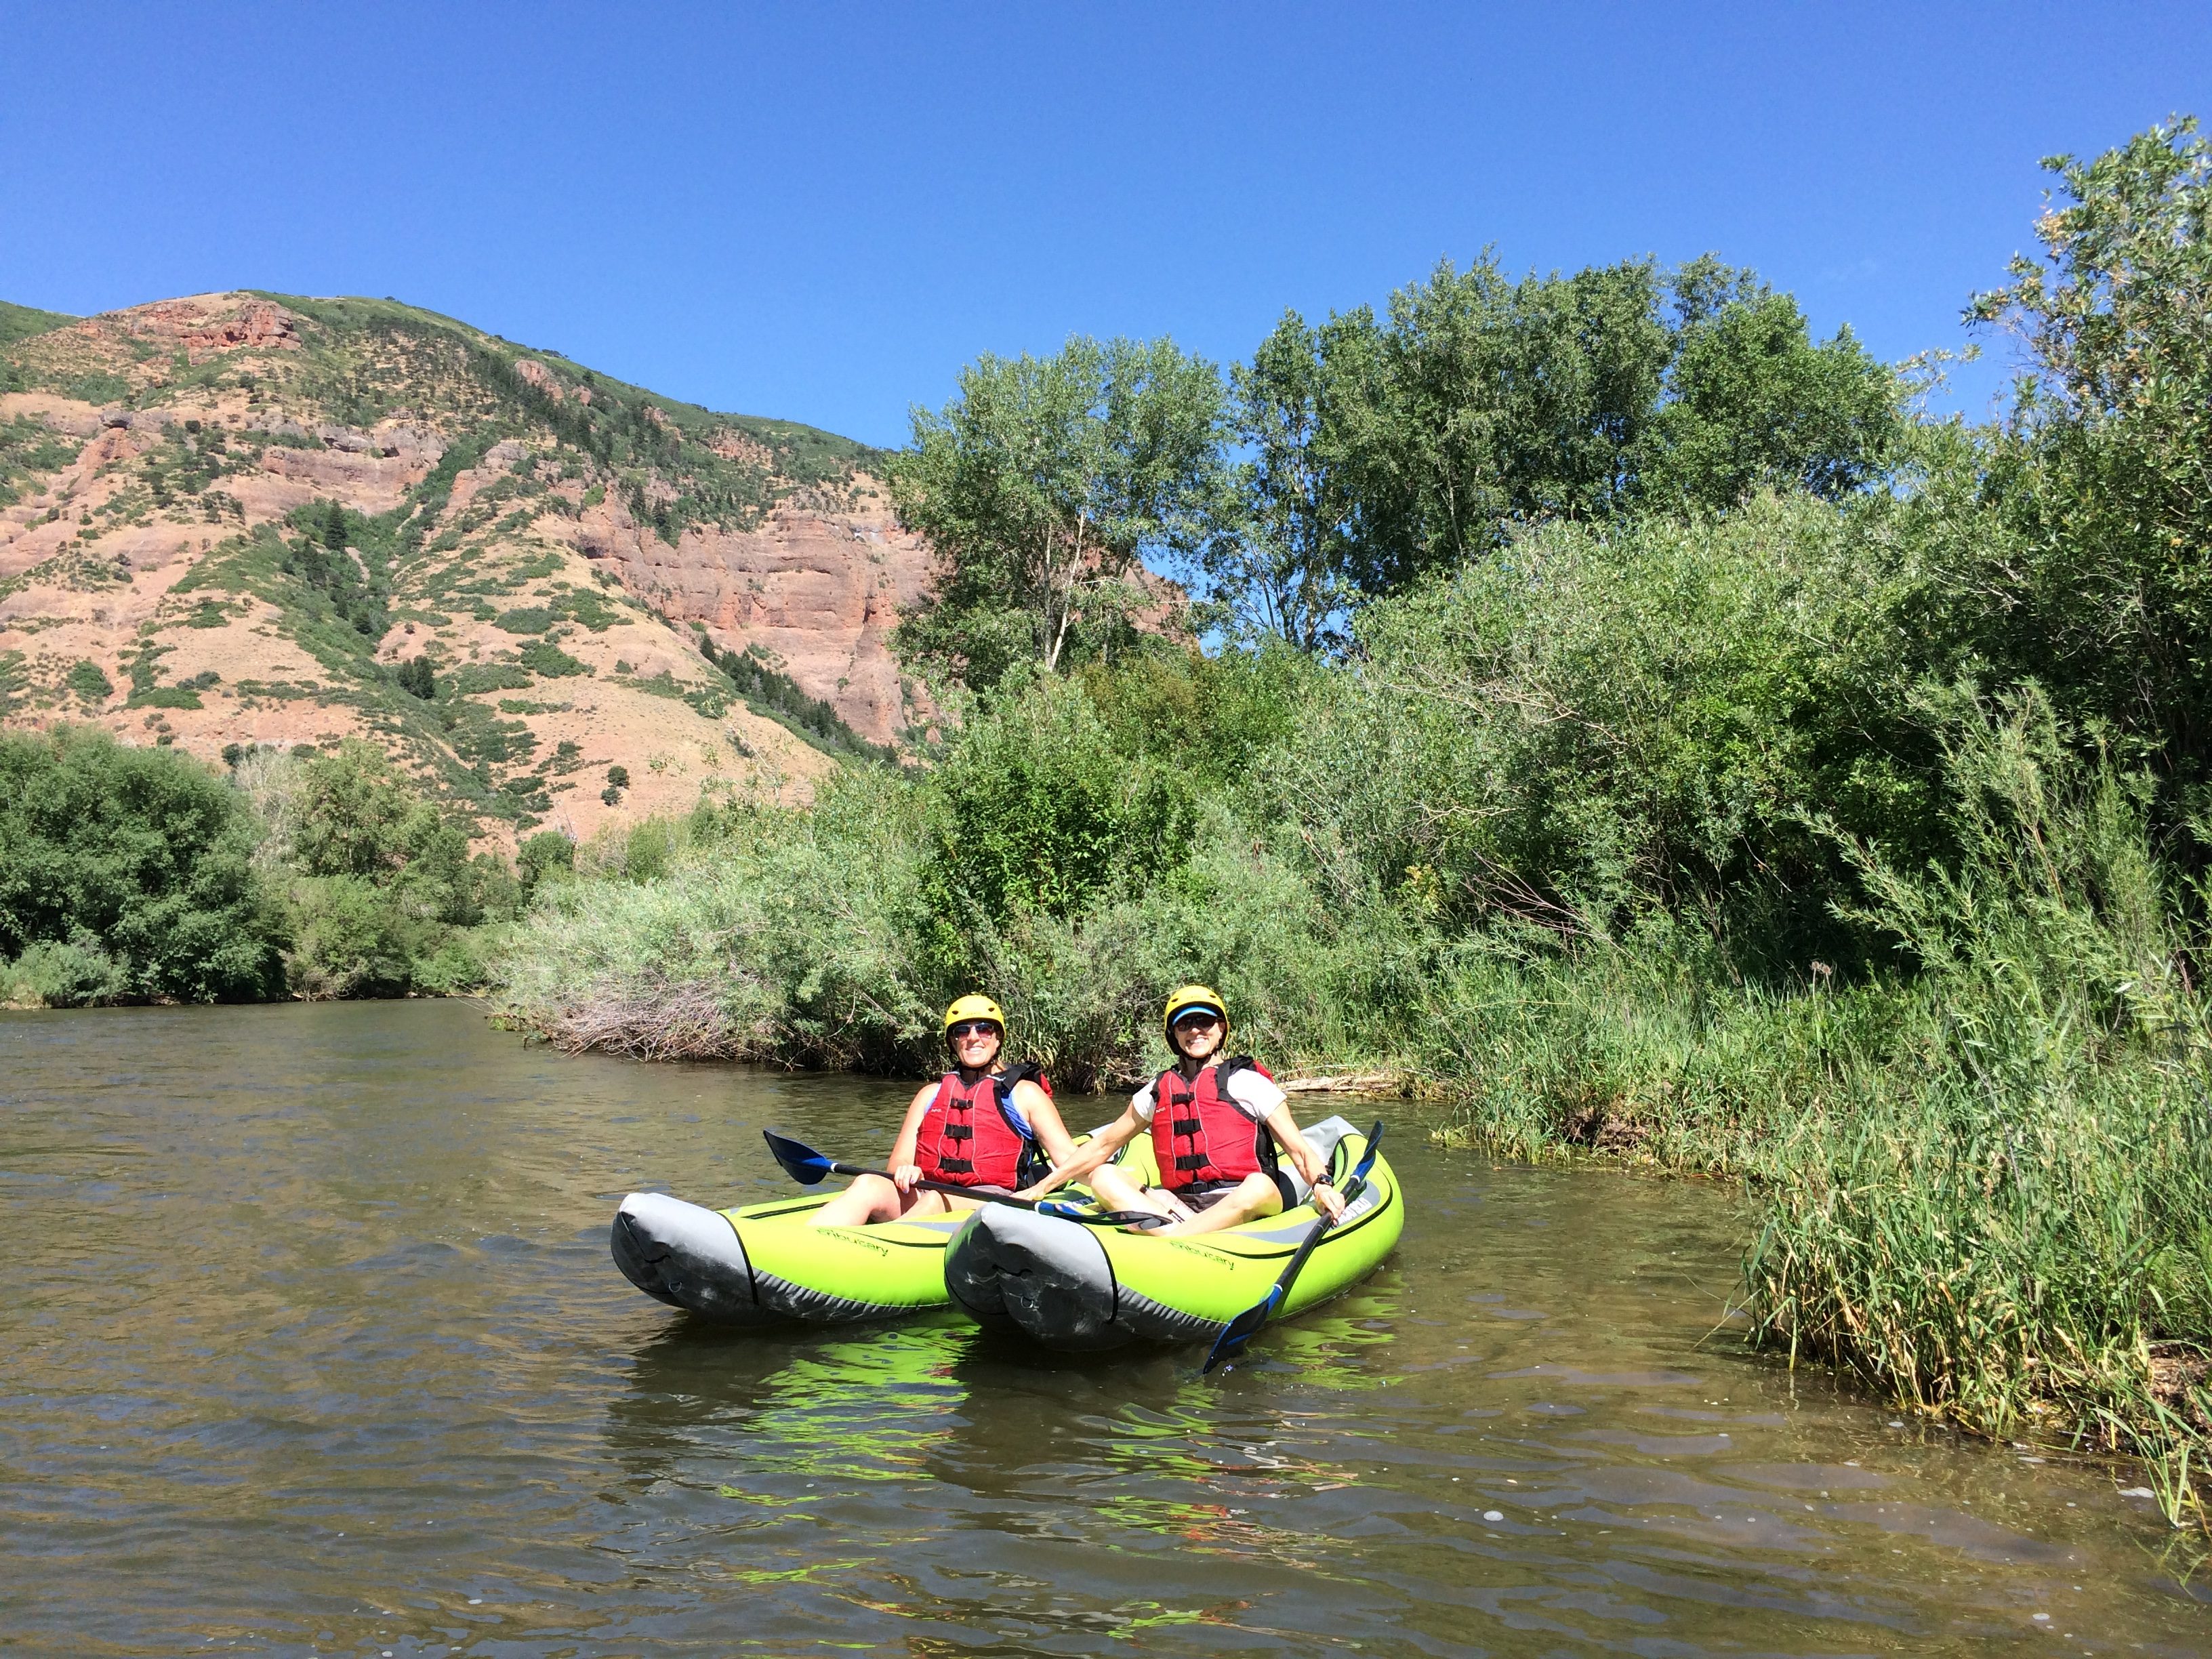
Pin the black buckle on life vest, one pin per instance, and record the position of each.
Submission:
(1186, 1126)
(959, 1132)
(1191, 1161)
(957, 1165)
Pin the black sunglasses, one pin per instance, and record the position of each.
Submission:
(967, 1028)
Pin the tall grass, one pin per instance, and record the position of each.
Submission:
(2010, 1223)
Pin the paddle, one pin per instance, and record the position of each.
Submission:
(811, 1169)
(1240, 1330)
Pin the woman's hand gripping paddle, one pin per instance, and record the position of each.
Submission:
(811, 1169)
(1240, 1330)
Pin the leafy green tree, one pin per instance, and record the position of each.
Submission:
(1039, 485)
(1280, 562)
(350, 939)
(1751, 403)
(417, 678)
(334, 528)
(2103, 474)
(142, 855)
(545, 856)
(1494, 402)
(1375, 453)
(354, 815)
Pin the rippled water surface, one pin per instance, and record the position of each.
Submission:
(311, 1343)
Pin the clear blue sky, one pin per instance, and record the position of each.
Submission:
(821, 211)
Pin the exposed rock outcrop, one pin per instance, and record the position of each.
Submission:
(172, 546)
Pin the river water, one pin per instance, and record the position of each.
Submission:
(312, 1344)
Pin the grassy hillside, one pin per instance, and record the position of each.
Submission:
(17, 321)
(259, 518)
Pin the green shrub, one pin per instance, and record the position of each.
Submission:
(350, 938)
(549, 661)
(142, 854)
(74, 973)
(455, 967)
(86, 679)
(544, 856)
(1598, 725)
(1033, 809)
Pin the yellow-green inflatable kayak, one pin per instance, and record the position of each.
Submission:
(766, 1264)
(1077, 1287)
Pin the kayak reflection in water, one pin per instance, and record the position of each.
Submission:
(975, 1126)
(1217, 1123)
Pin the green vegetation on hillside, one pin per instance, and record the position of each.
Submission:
(771, 692)
(18, 322)
(339, 579)
(1646, 731)
(675, 463)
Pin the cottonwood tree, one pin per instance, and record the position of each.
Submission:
(1752, 403)
(1280, 563)
(2103, 473)
(1040, 485)
(1374, 452)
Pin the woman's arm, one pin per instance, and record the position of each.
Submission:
(1310, 1169)
(1080, 1161)
(1045, 1122)
(904, 1170)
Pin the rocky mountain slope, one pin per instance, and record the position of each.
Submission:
(244, 519)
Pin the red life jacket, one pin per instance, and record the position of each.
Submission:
(970, 1135)
(1200, 1134)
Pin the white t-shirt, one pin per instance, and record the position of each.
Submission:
(1256, 1096)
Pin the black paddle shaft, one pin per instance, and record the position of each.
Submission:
(1241, 1330)
(809, 1168)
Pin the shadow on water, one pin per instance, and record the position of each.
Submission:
(312, 1344)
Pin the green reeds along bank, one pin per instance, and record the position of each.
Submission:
(2011, 1226)
(1983, 1184)
(2039, 1274)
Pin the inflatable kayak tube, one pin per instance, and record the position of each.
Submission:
(1080, 1288)
(766, 1264)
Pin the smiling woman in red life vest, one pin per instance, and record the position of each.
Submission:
(1222, 1132)
(981, 1125)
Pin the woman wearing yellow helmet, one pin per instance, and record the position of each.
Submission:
(1217, 1121)
(991, 1129)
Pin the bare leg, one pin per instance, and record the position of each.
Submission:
(1252, 1198)
(871, 1197)
(1116, 1191)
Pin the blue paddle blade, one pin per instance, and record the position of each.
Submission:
(1240, 1330)
(800, 1162)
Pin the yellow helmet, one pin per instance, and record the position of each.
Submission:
(1184, 999)
(975, 1008)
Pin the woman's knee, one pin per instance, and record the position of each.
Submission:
(1259, 1196)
